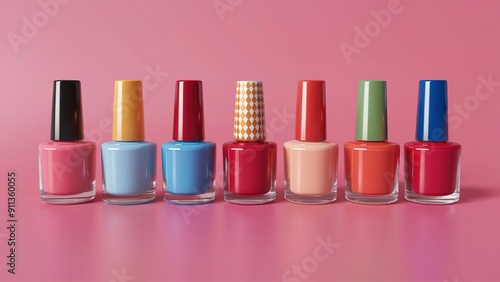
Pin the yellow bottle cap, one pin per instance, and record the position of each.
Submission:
(128, 112)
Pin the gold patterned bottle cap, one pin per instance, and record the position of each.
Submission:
(249, 112)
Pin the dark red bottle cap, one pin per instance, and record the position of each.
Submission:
(310, 124)
(188, 111)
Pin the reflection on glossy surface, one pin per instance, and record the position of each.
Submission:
(159, 241)
(433, 247)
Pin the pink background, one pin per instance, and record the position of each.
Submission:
(278, 42)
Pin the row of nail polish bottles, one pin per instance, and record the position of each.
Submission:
(129, 163)
(67, 163)
(432, 164)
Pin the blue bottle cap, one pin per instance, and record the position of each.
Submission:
(432, 111)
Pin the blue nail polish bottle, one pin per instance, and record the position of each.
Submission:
(128, 162)
(188, 161)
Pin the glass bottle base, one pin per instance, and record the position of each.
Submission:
(367, 199)
(310, 199)
(196, 199)
(411, 196)
(249, 199)
(129, 199)
(68, 199)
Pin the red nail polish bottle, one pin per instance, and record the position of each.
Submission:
(249, 161)
(432, 164)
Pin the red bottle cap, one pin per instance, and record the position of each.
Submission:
(310, 123)
(188, 111)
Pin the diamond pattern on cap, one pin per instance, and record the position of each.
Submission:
(249, 112)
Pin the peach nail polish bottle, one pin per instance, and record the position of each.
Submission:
(371, 162)
(310, 161)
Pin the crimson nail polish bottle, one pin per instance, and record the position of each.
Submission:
(249, 161)
(432, 164)
(67, 164)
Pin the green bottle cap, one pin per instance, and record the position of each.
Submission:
(371, 119)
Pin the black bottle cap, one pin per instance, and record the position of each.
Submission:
(67, 120)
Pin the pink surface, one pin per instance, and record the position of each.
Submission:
(278, 42)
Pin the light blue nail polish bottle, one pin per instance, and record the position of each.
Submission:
(188, 161)
(128, 162)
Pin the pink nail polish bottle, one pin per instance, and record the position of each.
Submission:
(67, 167)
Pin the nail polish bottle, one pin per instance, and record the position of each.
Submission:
(249, 161)
(67, 163)
(188, 161)
(432, 164)
(128, 162)
(310, 161)
(371, 162)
